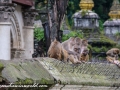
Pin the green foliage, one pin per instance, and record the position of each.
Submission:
(98, 49)
(117, 34)
(106, 40)
(72, 34)
(117, 46)
(84, 12)
(39, 33)
(101, 25)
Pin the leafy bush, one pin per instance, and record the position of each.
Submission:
(72, 34)
(98, 49)
(38, 33)
(101, 25)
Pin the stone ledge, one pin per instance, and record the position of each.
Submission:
(51, 71)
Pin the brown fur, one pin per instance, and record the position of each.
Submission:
(56, 51)
(112, 54)
(74, 59)
(69, 45)
(84, 58)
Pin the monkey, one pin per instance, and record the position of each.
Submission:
(64, 55)
(85, 55)
(57, 51)
(54, 50)
(68, 45)
(114, 52)
(78, 43)
(81, 49)
(84, 45)
(112, 56)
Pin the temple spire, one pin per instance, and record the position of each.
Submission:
(86, 4)
(115, 10)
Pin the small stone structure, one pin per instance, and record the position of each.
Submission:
(112, 26)
(16, 28)
(56, 74)
(86, 18)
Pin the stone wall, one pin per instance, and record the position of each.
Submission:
(93, 76)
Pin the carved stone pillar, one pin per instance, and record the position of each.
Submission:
(29, 16)
(6, 9)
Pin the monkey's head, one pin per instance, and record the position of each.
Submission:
(113, 52)
(84, 42)
(55, 42)
(72, 41)
(116, 51)
(78, 41)
(86, 51)
(77, 49)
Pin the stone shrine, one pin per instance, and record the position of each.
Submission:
(86, 18)
(112, 26)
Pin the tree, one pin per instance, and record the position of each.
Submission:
(55, 11)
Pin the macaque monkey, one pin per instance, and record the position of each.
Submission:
(77, 46)
(83, 45)
(68, 45)
(64, 54)
(112, 56)
(81, 49)
(114, 52)
(85, 55)
(56, 51)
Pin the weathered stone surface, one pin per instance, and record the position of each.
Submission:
(51, 71)
(16, 70)
(80, 87)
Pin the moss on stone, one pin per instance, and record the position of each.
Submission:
(1, 66)
(24, 82)
(104, 40)
(45, 81)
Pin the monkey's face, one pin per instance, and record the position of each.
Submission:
(113, 51)
(116, 52)
(85, 52)
(77, 50)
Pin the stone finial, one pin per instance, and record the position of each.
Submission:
(86, 4)
(115, 10)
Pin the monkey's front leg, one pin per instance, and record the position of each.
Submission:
(110, 59)
(72, 53)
